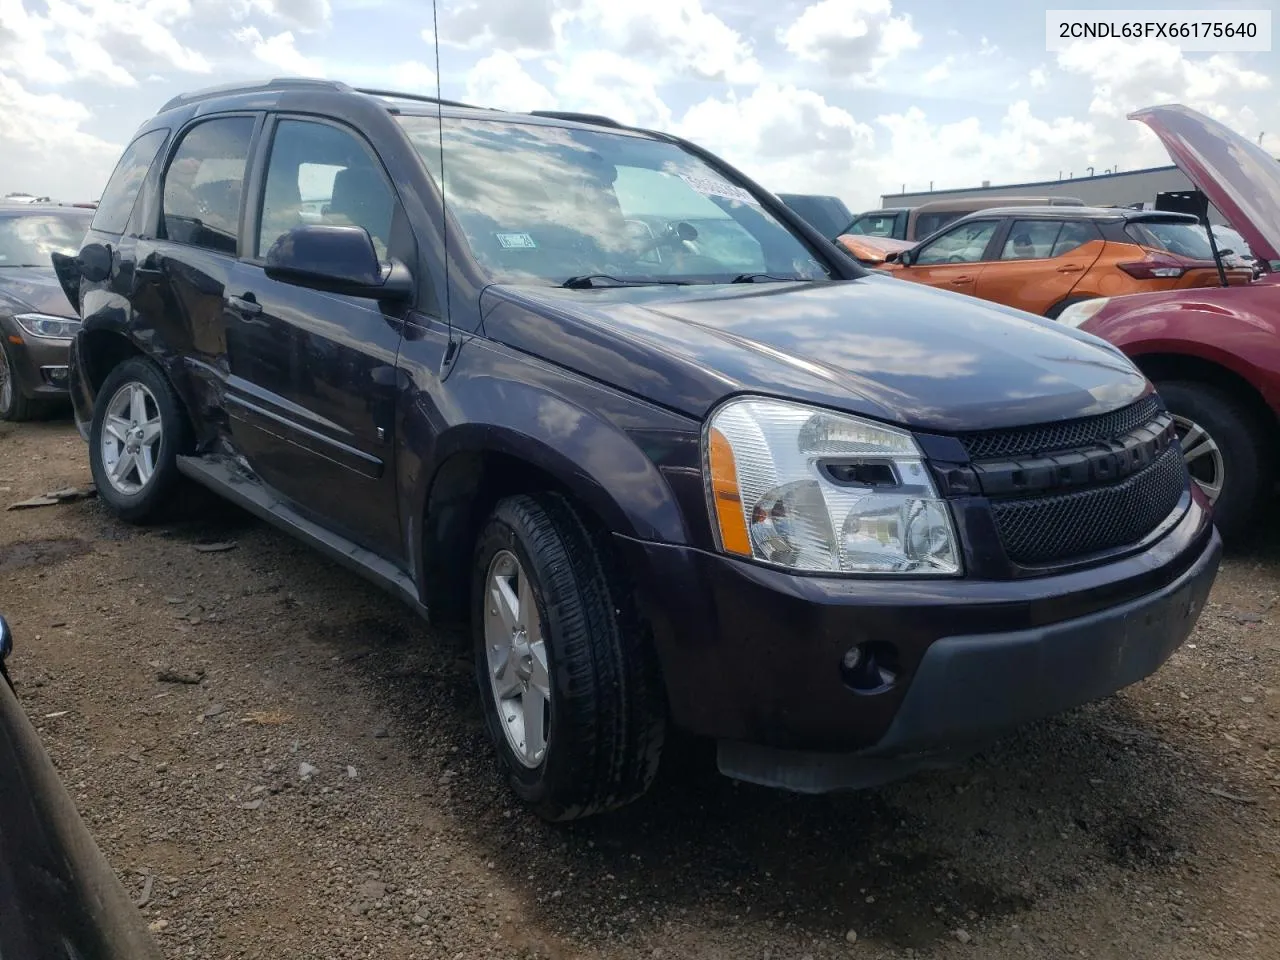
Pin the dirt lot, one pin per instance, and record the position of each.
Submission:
(322, 788)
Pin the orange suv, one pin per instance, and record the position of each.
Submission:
(1043, 259)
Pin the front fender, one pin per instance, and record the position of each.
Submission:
(616, 454)
(1245, 342)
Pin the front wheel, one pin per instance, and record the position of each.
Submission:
(138, 430)
(567, 672)
(1226, 450)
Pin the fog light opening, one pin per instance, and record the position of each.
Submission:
(870, 667)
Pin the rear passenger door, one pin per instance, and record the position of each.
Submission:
(312, 386)
(180, 273)
(953, 260)
(1040, 262)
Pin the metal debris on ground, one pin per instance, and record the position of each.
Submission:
(55, 497)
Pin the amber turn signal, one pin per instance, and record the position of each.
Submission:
(728, 502)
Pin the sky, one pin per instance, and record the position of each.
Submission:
(854, 98)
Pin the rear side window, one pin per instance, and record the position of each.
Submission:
(928, 223)
(204, 183)
(1184, 239)
(122, 189)
(1074, 234)
(874, 225)
(1031, 240)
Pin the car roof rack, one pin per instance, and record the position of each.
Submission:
(592, 118)
(420, 97)
(278, 83)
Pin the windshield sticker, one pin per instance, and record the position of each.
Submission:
(516, 241)
(711, 187)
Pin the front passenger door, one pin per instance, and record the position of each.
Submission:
(952, 260)
(313, 381)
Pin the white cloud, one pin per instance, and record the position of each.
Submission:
(23, 45)
(45, 148)
(112, 40)
(279, 51)
(413, 76)
(523, 26)
(500, 81)
(678, 36)
(787, 139)
(853, 39)
(1039, 77)
(963, 153)
(305, 15)
(939, 72)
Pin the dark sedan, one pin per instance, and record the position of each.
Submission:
(36, 322)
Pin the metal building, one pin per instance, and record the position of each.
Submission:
(1124, 188)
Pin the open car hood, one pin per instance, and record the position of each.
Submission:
(1240, 178)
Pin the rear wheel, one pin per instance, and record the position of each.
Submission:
(1225, 447)
(567, 674)
(138, 430)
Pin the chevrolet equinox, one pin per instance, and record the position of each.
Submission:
(677, 459)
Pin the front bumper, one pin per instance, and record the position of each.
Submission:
(39, 365)
(752, 655)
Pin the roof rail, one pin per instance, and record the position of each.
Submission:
(592, 118)
(423, 98)
(278, 83)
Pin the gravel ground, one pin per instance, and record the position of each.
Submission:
(288, 763)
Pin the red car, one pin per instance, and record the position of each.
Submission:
(1214, 352)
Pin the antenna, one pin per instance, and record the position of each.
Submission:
(452, 347)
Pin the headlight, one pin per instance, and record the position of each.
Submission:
(50, 328)
(1078, 313)
(813, 490)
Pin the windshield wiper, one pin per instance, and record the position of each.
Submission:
(769, 278)
(588, 280)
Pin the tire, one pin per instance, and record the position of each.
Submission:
(154, 495)
(1245, 468)
(13, 405)
(606, 713)
(1054, 312)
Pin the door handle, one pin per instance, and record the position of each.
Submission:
(962, 279)
(247, 304)
(1070, 268)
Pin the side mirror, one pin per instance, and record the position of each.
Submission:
(6, 640)
(338, 259)
(95, 262)
(906, 257)
(1226, 253)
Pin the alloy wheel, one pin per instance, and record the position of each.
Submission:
(1202, 456)
(6, 382)
(516, 654)
(131, 435)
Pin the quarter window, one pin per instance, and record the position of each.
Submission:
(963, 244)
(322, 174)
(204, 182)
(1074, 235)
(117, 200)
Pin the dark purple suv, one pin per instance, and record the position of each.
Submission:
(677, 459)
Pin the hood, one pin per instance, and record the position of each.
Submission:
(1240, 178)
(875, 346)
(869, 249)
(35, 290)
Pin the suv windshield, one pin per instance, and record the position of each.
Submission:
(546, 203)
(27, 240)
(1184, 239)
